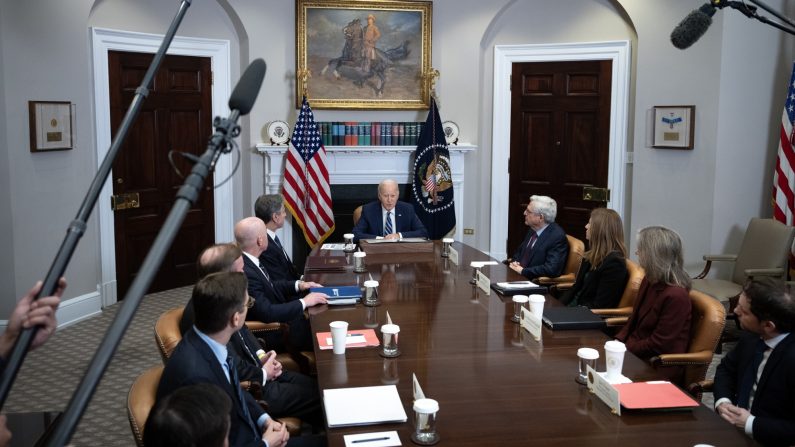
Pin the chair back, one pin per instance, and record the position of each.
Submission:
(357, 214)
(707, 320)
(140, 401)
(766, 244)
(635, 277)
(576, 250)
(167, 334)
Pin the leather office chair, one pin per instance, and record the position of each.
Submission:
(302, 361)
(569, 275)
(706, 326)
(140, 401)
(764, 252)
(357, 214)
(627, 302)
(167, 334)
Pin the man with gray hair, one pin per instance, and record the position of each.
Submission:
(270, 208)
(388, 217)
(545, 248)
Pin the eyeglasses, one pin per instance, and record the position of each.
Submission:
(250, 302)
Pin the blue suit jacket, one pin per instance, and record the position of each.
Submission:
(279, 266)
(193, 362)
(549, 254)
(371, 223)
(774, 399)
(270, 304)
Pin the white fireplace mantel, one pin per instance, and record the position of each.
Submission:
(364, 165)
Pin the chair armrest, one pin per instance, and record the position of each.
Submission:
(687, 358)
(717, 258)
(616, 321)
(564, 286)
(569, 277)
(698, 388)
(258, 326)
(750, 273)
(615, 312)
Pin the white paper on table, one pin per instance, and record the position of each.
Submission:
(517, 285)
(351, 339)
(388, 318)
(332, 247)
(363, 405)
(418, 394)
(375, 439)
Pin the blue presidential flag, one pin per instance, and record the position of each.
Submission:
(432, 182)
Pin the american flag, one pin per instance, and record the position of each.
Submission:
(306, 182)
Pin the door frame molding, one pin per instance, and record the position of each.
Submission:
(104, 40)
(504, 58)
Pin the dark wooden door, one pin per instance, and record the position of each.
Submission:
(560, 136)
(175, 116)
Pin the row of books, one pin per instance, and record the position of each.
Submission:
(352, 133)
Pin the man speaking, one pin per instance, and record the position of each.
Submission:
(388, 218)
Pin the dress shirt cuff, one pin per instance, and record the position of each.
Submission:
(303, 304)
(749, 425)
(264, 376)
(400, 235)
(721, 401)
(262, 421)
(297, 283)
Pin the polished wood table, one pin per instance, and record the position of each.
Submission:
(495, 384)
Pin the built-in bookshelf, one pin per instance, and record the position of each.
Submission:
(366, 133)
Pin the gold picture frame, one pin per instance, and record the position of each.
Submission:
(343, 63)
(50, 124)
(674, 127)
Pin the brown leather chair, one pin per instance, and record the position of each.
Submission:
(357, 214)
(302, 361)
(627, 302)
(140, 401)
(706, 325)
(569, 275)
(167, 334)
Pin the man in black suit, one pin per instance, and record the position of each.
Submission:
(287, 393)
(274, 300)
(220, 305)
(545, 248)
(388, 217)
(754, 387)
(270, 208)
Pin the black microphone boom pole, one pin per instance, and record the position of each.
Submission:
(240, 102)
(78, 226)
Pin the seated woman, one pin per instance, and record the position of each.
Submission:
(603, 272)
(660, 322)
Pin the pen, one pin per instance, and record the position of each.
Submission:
(371, 439)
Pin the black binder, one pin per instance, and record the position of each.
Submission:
(568, 318)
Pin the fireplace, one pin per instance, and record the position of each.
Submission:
(354, 174)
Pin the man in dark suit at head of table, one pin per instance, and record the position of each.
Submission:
(388, 217)
(755, 383)
(545, 248)
(270, 208)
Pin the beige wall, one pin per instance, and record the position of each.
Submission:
(735, 76)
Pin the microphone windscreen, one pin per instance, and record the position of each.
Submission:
(247, 88)
(692, 27)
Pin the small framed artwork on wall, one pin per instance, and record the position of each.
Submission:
(50, 126)
(674, 127)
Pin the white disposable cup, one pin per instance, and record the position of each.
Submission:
(537, 305)
(339, 335)
(587, 357)
(389, 332)
(614, 357)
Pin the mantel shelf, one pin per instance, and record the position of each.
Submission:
(265, 147)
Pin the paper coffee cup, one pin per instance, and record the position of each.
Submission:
(339, 335)
(614, 357)
(537, 305)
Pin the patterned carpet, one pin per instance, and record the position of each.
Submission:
(50, 374)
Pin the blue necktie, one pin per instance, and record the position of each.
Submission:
(388, 224)
(749, 378)
(528, 249)
(241, 399)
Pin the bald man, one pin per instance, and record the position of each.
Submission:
(388, 217)
(274, 300)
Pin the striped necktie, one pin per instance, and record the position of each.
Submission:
(388, 224)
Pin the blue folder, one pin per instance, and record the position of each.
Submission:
(340, 294)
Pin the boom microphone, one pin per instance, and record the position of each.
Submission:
(247, 88)
(692, 27)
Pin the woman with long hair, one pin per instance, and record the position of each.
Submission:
(660, 322)
(603, 272)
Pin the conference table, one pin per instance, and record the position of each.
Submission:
(495, 384)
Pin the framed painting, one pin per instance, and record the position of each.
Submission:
(50, 125)
(372, 54)
(674, 127)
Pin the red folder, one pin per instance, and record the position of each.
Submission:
(370, 339)
(655, 395)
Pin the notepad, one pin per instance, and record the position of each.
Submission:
(363, 406)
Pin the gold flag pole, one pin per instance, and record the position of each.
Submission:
(303, 81)
(430, 77)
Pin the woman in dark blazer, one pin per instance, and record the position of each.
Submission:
(603, 274)
(660, 322)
